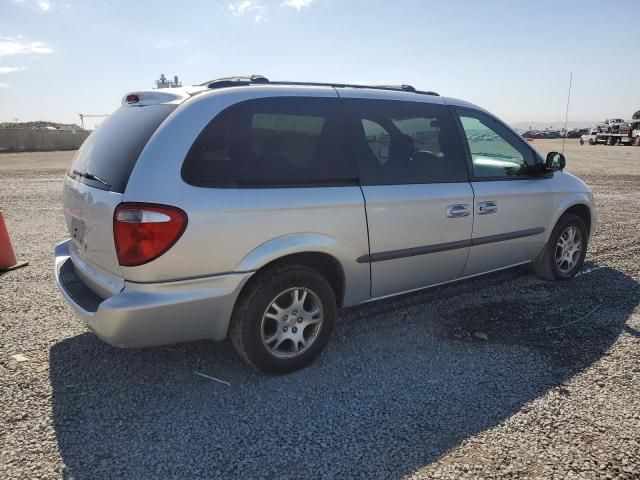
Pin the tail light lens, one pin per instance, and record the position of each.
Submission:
(143, 231)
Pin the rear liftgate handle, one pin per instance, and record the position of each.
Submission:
(458, 210)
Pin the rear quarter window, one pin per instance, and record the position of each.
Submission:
(112, 150)
(273, 142)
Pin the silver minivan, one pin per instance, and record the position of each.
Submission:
(257, 209)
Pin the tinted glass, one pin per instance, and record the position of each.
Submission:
(495, 150)
(405, 142)
(112, 150)
(284, 141)
(378, 139)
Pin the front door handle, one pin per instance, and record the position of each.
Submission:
(458, 210)
(485, 208)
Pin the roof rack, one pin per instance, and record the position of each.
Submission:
(261, 80)
(234, 81)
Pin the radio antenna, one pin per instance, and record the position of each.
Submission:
(566, 115)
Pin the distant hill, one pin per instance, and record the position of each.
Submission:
(40, 125)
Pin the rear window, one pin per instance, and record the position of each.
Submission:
(273, 142)
(111, 152)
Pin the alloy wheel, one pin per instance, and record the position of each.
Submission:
(291, 323)
(568, 249)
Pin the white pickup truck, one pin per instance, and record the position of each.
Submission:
(591, 138)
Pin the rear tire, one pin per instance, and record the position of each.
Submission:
(610, 141)
(581, 142)
(592, 141)
(564, 253)
(274, 327)
(636, 141)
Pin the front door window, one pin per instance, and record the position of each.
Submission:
(495, 150)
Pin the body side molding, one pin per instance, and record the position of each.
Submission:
(443, 247)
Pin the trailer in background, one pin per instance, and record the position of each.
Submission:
(614, 138)
(630, 136)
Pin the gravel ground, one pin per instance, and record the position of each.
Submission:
(410, 387)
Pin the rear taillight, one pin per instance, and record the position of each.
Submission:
(143, 231)
(133, 99)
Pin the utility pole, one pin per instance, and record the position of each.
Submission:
(84, 115)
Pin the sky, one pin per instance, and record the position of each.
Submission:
(514, 58)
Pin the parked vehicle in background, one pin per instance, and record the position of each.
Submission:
(546, 134)
(635, 131)
(577, 133)
(257, 209)
(602, 127)
(591, 137)
(634, 125)
(613, 124)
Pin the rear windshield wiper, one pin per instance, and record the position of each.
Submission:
(91, 176)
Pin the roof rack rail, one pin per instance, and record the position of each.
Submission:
(406, 88)
(234, 81)
(261, 80)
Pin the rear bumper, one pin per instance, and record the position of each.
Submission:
(146, 314)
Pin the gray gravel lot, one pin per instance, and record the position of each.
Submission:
(406, 388)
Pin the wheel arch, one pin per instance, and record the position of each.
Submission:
(579, 204)
(581, 210)
(315, 251)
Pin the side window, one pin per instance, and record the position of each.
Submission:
(378, 139)
(273, 142)
(399, 142)
(495, 150)
(286, 138)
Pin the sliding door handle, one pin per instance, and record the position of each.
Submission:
(485, 208)
(458, 210)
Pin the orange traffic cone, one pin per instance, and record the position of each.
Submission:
(7, 257)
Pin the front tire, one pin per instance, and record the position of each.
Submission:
(283, 319)
(565, 251)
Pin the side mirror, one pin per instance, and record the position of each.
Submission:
(555, 161)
